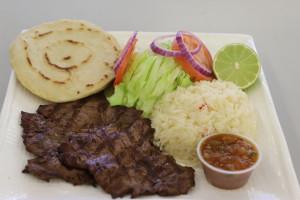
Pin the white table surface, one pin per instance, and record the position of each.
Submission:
(274, 25)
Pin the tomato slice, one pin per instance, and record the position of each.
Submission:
(124, 63)
(203, 57)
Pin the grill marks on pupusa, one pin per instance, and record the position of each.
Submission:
(56, 60)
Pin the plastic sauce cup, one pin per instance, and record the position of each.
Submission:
(226, 179)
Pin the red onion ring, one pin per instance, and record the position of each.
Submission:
(170, 53)
(125, 51)
(188, 56)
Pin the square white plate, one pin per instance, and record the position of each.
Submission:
(274, 179)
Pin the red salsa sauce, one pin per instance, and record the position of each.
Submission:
(229, 152)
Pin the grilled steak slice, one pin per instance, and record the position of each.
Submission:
(41, 136)
(44, 131)
(122, 160)
(87, 138)
(47, 167)
(137, 169)
(77, 115)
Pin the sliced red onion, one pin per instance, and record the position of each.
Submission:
(170, 53)
(188, 56)
(125, 51)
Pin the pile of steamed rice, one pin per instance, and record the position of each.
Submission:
(183, 117)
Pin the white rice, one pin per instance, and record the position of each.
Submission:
(183, 117)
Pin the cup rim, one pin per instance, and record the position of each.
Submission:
(228, 171)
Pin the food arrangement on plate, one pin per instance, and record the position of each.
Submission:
(131, 120)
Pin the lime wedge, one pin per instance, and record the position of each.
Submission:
(237, 63)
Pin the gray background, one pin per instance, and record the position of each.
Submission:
(275, 26)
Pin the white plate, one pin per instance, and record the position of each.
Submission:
(274, 179)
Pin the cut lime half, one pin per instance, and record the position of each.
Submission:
(237, 63)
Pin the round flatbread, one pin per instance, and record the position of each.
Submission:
(64, 60)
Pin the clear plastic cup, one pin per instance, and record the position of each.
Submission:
(227, 179)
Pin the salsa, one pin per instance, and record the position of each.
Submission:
(229, 152)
